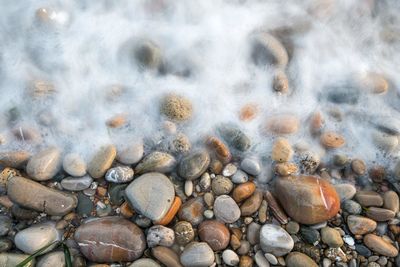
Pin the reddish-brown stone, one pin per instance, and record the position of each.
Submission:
(216, 234)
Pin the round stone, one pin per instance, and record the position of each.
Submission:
(360, 225)
(243, 191)
(176, 108)
(331, 237)
(192, 211)
(159, 235)
(332, 140)
(352, 207)
(44, 165)
(240, 177)
(197, 254)
(74, 165)
(130, 153)
(221, 185)
(282, 150)
(358, 166)
(275, 240)
(145, 263)
(292, 227)
(13, 259)
(76, 184)
(230, 258)
(55, 259)
(120, 174)
(184, 232)
(102, 161)
(252, 204)
(345, 191)
(391, 201)
(194, 165)
(229, 170)
(226, 209)
(251, 166)
(166, 256)
(267, 50)
(156, 162)
(215, 234)
(297, 259)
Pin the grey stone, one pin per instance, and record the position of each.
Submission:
(352, 207)
(345, 191)
(156, 162)
(226, 209)
(240, 177)
(194, 165)
(197, 254)
(52, 259)
(85, 205)
(5, 225)
(120, 174)
(74, 165)
(13, 259)
(76, 184)
(234, 136)
(310, 235)
(145, 263)
(261, 260)
(44, 165)
(159, 235)
(253, 233)
(275, 240)
(230, 258)
(130, 153)
(251, 166)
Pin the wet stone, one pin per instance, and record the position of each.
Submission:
(221, 185)
(76, 184)
(345, 191)
(275, 240)
(226, 209)
(156, 162)
(131, 153)
(343, 95)
(197, 254)
(192, 211)
(159, 235)
(14, 159)
(55, 259)
(85, 205)
(352, 207)
(166, 256)
(117, 193)
(360, 225)
(12, 259)
(380, 246)
(239, 177)
(297, 259)
(310, 235)
(251, 166)
(74, 165)
(194, 165)
(234, 136)
(102, 161)
(184, 233)
(145, 263)
(215, 234)
(44, 165)
(23, 214)
(120, 174)
(369, 198)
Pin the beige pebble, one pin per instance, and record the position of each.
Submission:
(282, 150)
(283, 124)
(102, 161)
(332, 140)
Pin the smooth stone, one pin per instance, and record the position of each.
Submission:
(32, 195)
(226, 209)
(307, 199)
(251, 166)
(283, 124)
(130, 153)
(244, 247)
(360, 225)
(292, 227)
(271, 258)
(44, 165)
(352, 207)
(230, 258)
(369, 198)
(159, 235)
(215, 234)
(166, 256)
(52, 259)
(5, 244)
(23, 214)
(246, 261)
(343, 94)
(117, 193)
(331, 237)
(192, 211)
(229, 170)
(252, 204)
(194, 165)
(281, 150)
(156, 162)
(275, 240)
(332, 140)
(188, 188)
(85, 205)
(76, 184)
(14, 159)
(110, 239)
(145, 263)
(5, 225)
(37, 236)
(197, 254)
(74, 165)
(379, 214)
(151, 194)
(209, 214)
(345, 191)
(358, 166)
(363, 250)
(391, 201)
(384, 141)
(170, 215)
(243, 191)
(240, 177)
(102, 161)
(234, 136)
(120, 174)
(13, 259)
(205, 182)
(184, 233)
(297, 259)
(261, 260)
(268, 50)
(310, 235)
(380, 246)
(221, 185)
(253, 233)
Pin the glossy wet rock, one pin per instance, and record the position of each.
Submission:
(120, 174)
(156, 162)
(192, 211)
(215, 234)
(44, 165)
(226, 209)
(275, 240)
(194, 165)
(76, 184)
(74, 165)
(102, 161)
(197, 254)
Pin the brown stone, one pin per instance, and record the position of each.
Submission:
(307, 199)
(215, 234)
(14, 159)
(243, 191)
(176, 204)
(358, 166)
(184, 233)
(282, 124)
(280, 82)
(286, 168)
(166, 256)
(282, 150)
(380, 246)
(216, 166)
(220, 149)
(377, 174)
(332, 140)
(360, 225)
(316, 122)
(297, 259)
(276, 208)
(192, 211)
(117, 121)
(379, 214)
(102, 161)
(248, 112)
(251, 204)
(369, 198)
(126, 211)
(245, 261)
(391, 201)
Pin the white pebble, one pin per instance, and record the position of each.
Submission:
(230, 257)
(188, 188)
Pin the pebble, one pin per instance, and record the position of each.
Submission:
(253, 233)
(262, 212)
(44, 165)
(292, 227)
(205, 182)
(283, 124)
(391, 201)
(176, 107)
(85, 205)
(156, 162)
(180, 144)
(281, 150)
(102, 161)
(251, 166)
(5, 244)
(15, 158)
(352, 207)
(192, 211)
(244, 247)
(188, 188)
(343, 94)
(52, 259)
(310, 235)
(281, 82)
(275, 240)
(209, 214)
(145, 263)
(215, 234)
(385, 141)
(271, 258)
(363, 250)
(297, 259)
(358, 166)
(380, 246)
(235, 137)
(226, 209)
(76, 184)
(243, 191)
(229, 170)
(37, 236)
(166, 256)
(74, 165)
(261, 260)
(240, 177)
(286, 168)
(379, 214)
(194, 165)
(360, 225)
(147, 54)
(268, 50)
(252, 204)
(345, 191)
(349, 240)
(130, 153)
(110, 239)
(208, 199)
(5, 225)
(332, 140)
(159, 235)
(331, 237)
(184, 233)
(13, 259)
(33, 195)
(307, 199)
(117, 193)
(248, 112)
(120, 174)
(221, 150)
(221, 185)
(197, 254)
(309, 161)
(369, 198)
(230, 258)
(151, 194)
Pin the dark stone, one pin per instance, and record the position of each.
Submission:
(310, 235)
(363, 250)
(85, 205)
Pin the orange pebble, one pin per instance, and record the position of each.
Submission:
(171, 212)
(126, 211)
(221, 150)
(248, 112)
(116, 121)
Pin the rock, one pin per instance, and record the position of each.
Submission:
(245, 261)
(74, 165)
(385, 141)
(244, 247)
(33, 195)
(253, 233)
(340, 160)
(271, 258)
(309, 161)
(282, 150)
(358, 166)
(235, 137)
(102, 161)
(13, 259)
(52, 259)
(156, 162)
(352, 207)
(44, 165)
(117, 193)
(5, 244)
(239, 177)
(363, 250)
(180, 144)
(359, 225)
(166, 256)
(169, 216)
(194, 165)
(391, 201)
(184, 233)
(176, 108)
(379, 214)
(380, 246)
(37, 236)
(145, 263)
(331, 237)
(251, 204)
(188, 188)
(120, 174)
(275, 240)
(332, 140)
(281, 82)
(307, 199)
(343, 94)
(221, 185)
(243, 191)
(110, 239)
(345, 191)
(230, 258)
(151, 194)
(310, 235)
(286, 168)
(282, 124)
(369, 198)
(130, 153)
(76, 184)
(297, 259)
(248, 112)
(192, 211)
(266, 50)
(85, 205)
(197, 254)
(251, 166)
(226, 209)
(159, 235)
(23, 214)
(5, 225)
(220, 150)
(261, 260)
(292, 227)
(147, 54)
(229, 170)
(14, 159)
(215, 234)
(209, 214)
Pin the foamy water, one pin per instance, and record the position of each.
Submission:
(84, 49)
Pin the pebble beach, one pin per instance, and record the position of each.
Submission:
(182, 134)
